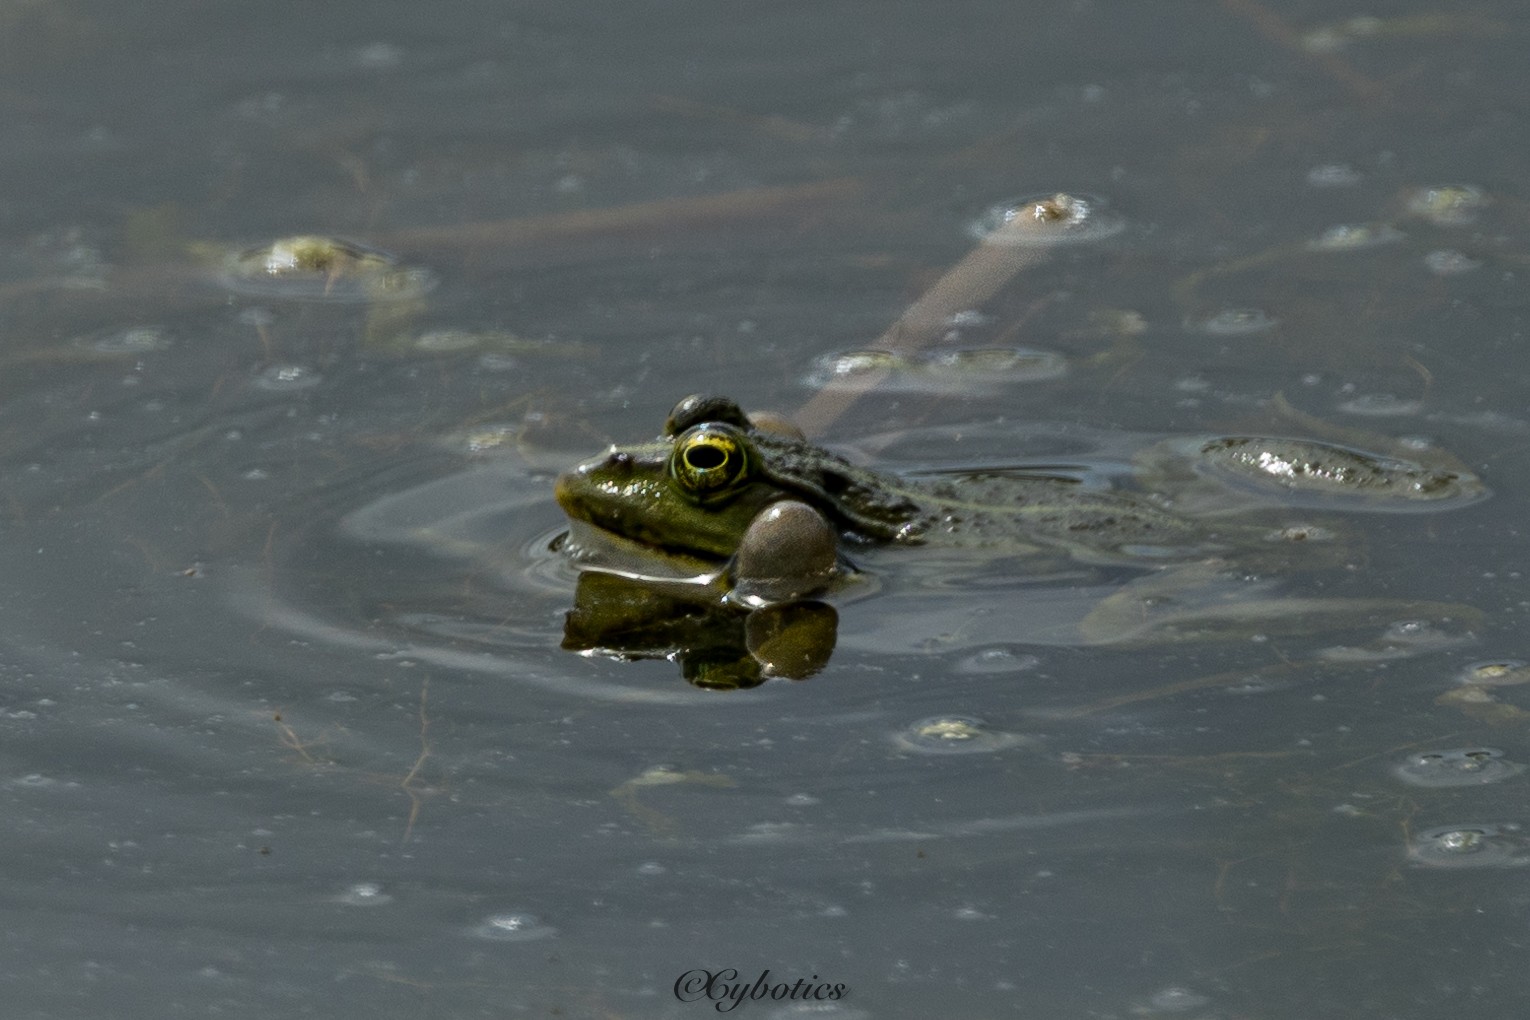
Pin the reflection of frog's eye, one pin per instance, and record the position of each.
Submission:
(709, 460)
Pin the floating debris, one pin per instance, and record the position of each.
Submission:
(1317, 468)
(1495, 845)
(1499, 673)
(314, 268)
(955, 734)
(1045, 220)
(1448, 205)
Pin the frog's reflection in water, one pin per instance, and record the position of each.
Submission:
(719, 646)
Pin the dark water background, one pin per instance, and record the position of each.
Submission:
(284, 728)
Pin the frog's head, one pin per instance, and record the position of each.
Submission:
(695, 492)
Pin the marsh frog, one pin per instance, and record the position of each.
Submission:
(748, 502)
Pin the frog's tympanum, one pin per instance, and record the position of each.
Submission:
(725, 513)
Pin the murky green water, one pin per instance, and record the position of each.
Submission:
(285, 728)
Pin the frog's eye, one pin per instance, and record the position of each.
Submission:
(710, 460)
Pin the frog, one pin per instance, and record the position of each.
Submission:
(775, 515)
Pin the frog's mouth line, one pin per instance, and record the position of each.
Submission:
(594, 547)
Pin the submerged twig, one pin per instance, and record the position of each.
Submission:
(1022, 241)
(662, 214)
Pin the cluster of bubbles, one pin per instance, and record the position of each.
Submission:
(1473, 844)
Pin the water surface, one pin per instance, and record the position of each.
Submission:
(284, 724)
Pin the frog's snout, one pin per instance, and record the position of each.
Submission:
(573, 487)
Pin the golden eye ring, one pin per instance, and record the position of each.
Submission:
(710, 461)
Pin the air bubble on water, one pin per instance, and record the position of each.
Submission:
(999, 659)
(364, 894)
(494, 361)
(1334, 175)
(514, 927)
(1176, 999)
(1236, 322)
(1449, 262)
(955, 734)
(379, 56)
(287, 378)
(1467, 766)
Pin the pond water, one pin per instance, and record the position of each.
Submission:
(285, 724)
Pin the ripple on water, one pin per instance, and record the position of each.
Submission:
(1465, 766)
(1381, 405)
(513, 927)
(131, 340)
(1490, 845)
(955, 734)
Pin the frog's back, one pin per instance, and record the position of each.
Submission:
(996, 508)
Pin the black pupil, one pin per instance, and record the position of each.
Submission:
(705, 457)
